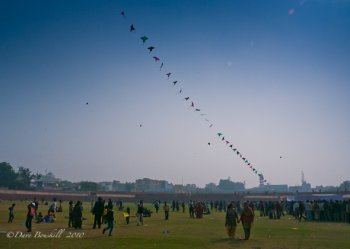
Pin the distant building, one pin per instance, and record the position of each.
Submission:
(118, 186)
(105, 186)
(190, 188)
(229, 186)
(269, 188)
(211, 188)
(325, 189)
(150, 185)
(46, 182)
(304, 187)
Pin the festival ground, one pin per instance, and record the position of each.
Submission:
(179, 231)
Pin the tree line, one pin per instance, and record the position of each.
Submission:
(12, 179)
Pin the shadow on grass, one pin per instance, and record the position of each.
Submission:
(236, 243)
(229, 240)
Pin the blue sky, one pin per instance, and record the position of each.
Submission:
(272, 76)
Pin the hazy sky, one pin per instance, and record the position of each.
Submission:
(272, 76)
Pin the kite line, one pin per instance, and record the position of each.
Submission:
(194, 106)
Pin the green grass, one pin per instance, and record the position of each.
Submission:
(184, 232)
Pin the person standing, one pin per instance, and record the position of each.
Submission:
(36, 206)
(166, 211)
(191, 209)
(30, 215)
(156, 206)
(183, 207)
(70, 214)
(139, 213)
(231, 220)
(11, 213)
(110, 220)
(347, 210)
(127, 216)
(97, 211)
(78, 215)
(110, 204)
(247, 218)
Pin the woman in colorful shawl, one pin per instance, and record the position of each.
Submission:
(231, 220)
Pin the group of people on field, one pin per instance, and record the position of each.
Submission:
(236, 213)
(330, 211)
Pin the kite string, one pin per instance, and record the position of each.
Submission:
(169, 74)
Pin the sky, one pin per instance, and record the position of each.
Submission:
(82, 97)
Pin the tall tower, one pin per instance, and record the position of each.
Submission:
(302, 178)
(261, 180)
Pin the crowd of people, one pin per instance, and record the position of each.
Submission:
(236, 212)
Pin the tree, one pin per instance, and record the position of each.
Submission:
(7, 175)
(23, 178)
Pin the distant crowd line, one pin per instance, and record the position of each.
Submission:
(236, 212)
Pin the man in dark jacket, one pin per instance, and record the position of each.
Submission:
(97, 211)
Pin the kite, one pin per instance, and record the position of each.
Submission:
(144, 39)
(291, 11)
(86, 103)
(150, 48)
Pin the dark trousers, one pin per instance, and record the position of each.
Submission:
(97, 220)
(11, 216)
(167, 215)
(77, 222)
(29, 223)
(70, 221)
(110, 227)
(246, 232)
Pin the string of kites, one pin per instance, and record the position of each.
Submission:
(169, 75)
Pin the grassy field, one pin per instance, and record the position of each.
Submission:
(183, 232)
